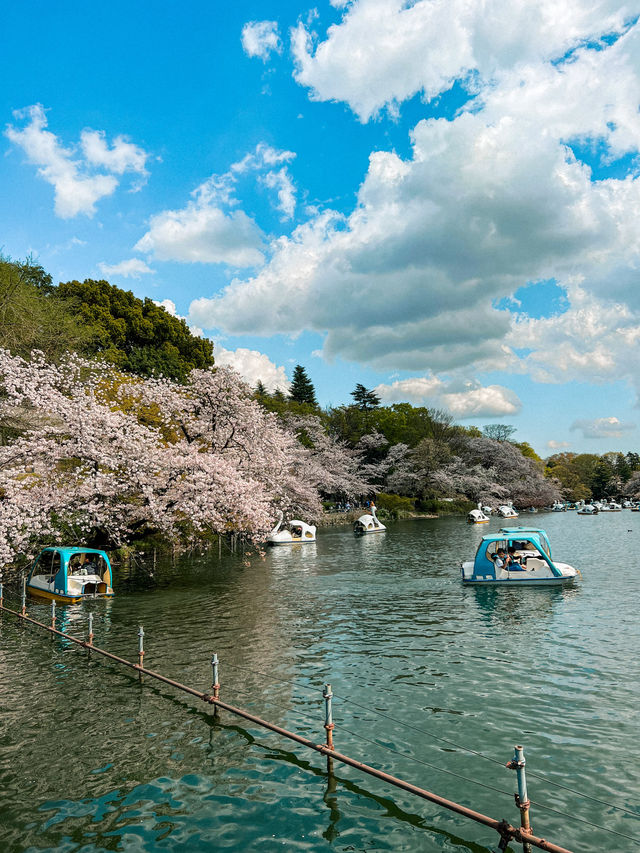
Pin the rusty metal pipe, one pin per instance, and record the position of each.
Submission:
(504, 829)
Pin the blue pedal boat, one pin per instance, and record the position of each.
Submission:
(530, 563)
(71, 574)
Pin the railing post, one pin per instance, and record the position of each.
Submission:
(140, 651)
(517, 763)
(328, 723)
(1, 596)
(53, 617)
(24, 597)
(215, 673)
(215, 683)
(90, 639)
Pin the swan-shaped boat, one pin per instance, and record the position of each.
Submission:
(516, 556)
(295, 531)
(71, 574)
(507, 511)
(368, 523)
(588, 509)
(477, 516)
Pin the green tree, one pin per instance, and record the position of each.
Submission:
(136, 334)
(364, 398)
(30, 319)
(302, 390)
(498, 432)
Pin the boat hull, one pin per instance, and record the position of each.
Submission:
(520, 582)
(67, 599)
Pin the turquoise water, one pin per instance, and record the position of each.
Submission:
(92, 760)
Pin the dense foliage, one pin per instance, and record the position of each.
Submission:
(135, 334)
(94, 318)
(30, 318)
(585, 475)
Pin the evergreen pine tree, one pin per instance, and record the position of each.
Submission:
(364, 398)
(302, 390)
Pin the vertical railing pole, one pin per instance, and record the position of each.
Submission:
(140, 651)
(53, 617)
(90, 640)
(1, 596)
(517, 763)
(215, 674)
(24, 596)
(328, 723)
(215, 682)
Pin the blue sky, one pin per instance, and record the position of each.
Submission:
(436, 199)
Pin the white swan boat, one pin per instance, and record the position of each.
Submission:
(507, 511)
(295, 531)
(516, 556)
(588, 509)
(368, 523)
(477, 516)
(558, 507)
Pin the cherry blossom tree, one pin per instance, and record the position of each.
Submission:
(101, 457)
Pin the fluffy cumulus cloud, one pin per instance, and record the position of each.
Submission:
(261, 39)
(602, 427)
(385, 51)
(78, 184)
(552, 444)
(488, 201)
(466, 399)
(203, 234)
(211, 228)
(254, 367)
(133, 268)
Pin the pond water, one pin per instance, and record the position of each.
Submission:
(433, 682)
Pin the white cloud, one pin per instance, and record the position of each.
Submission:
(385, 51)
(466, 399)
(419, 390)
(122, 156)
(203, 234)
(208, 229)
(261, 39)
(133, 268)
(487, 202)
(76, 184)
(281, 181)
(602, 427)
(253, 366)
(552, 444)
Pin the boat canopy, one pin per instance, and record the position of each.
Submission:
(523, 539)
(515, 533)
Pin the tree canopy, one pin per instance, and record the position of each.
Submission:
(302, 390)
(135, 334)
(364, 398)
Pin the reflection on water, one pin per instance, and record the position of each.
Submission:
(419, 664)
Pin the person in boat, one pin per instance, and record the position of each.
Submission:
(514, 563)
(500, 559)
